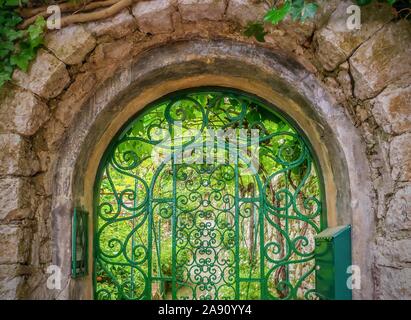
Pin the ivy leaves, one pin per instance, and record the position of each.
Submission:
(17, 47)
(256, 30)
(275, 15)
(298, 10)
(301, 10)
(12, 3)
(28, 46)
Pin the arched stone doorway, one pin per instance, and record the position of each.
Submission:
(209, 193)
(245, 67)
(90, 78)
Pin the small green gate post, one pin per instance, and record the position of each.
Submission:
(333, 258)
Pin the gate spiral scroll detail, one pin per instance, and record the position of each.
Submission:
(172, 224)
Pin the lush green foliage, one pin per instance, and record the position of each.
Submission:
(17, 47)
(298, 10)
(128, 221)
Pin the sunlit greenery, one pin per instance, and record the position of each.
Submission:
(175, 229)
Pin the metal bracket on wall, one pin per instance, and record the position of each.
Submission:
(79, 250)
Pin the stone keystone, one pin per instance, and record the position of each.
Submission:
(154, 16)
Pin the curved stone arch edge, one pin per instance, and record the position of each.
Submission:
(255, 70)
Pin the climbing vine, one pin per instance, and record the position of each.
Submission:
(17, 47)
(22, 26)
(22, 22)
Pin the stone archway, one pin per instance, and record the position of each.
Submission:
(222, 63)
(353, 104)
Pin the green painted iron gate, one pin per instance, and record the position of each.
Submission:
(207, 194)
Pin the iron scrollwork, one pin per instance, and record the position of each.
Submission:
(172, 229)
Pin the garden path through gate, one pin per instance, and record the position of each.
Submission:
(207, 194)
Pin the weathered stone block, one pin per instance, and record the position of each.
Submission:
(10, 281)
(118, 26)
(74, 97)
(15, 198)
(8, 288)
(194, 10)
(399, 210)
(21, 111)
(394, 283)
(344, 79)
(393, 253)
(53, 135)
(400, 157)
(382, 60)
(325, 9)
(392, 109)
(16, 156)
(47, 76)
(154, 16)
(245, 11)
(13, 244)
(336, 42)
(70, 44)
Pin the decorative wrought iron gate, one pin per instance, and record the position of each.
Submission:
(184, 212)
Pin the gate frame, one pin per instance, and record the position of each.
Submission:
(265, 104)
(273, 77)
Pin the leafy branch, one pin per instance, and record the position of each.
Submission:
(17, 47)
(303, 10)
(22, 29)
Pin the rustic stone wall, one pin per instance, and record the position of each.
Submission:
(368, 72)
